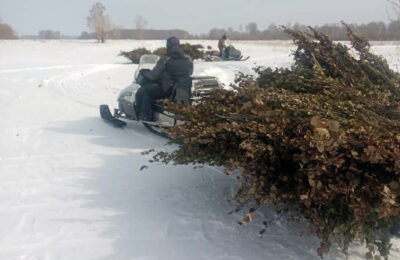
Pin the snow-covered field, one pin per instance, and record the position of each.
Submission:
(71, 186)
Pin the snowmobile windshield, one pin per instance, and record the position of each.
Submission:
(149, 59)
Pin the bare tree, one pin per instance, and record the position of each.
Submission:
(252, 30)
(141, 23)
(115, 32)
(98, 22)
(216, 33)
(396, 8)
(6, 32)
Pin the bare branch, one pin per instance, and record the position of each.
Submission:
(395, 7)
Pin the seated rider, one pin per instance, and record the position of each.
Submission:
(222, 45)
(160, 81)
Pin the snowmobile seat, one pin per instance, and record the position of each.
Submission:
(232, 53)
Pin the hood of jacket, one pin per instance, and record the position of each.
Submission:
(175, 53)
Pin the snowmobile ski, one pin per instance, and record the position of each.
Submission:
(108, 117)
(157, 124)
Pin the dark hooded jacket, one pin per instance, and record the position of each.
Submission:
(169, 69)
(222, 45)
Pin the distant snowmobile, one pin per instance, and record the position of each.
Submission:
(163, 118)
(230, 54)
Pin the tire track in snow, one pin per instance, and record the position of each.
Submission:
(72, 85)
(39, 68)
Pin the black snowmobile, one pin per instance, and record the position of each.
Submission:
(186, 94)
(230, 54)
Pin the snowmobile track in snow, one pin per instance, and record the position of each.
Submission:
(73, 85)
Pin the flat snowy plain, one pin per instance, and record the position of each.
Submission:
(71, 186)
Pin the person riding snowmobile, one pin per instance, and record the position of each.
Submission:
(159, 82)
(222, 45)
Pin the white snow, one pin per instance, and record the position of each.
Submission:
(71, 185)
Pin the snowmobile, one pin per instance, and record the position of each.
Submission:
(230, 54)
(162, 118)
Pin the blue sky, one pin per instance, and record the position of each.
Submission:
(69, 16)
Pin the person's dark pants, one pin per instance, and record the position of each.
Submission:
(226, 52)
(145, 97)
(222, 52)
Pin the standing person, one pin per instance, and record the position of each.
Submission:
(222, 45)
(171, 68)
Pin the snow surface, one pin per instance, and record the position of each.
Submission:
(71, 185)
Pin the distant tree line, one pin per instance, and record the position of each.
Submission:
(375, 31)
(49, 34)
(102, 29)
(372, 31)
(147, 34)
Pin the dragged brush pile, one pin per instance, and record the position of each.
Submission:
(194, 51)
(134, 55)
(321, 139)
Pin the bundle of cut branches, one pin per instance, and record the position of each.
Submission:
(321, 138)
(134, 55)
(193, 51)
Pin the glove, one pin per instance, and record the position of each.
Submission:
(141, 78)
